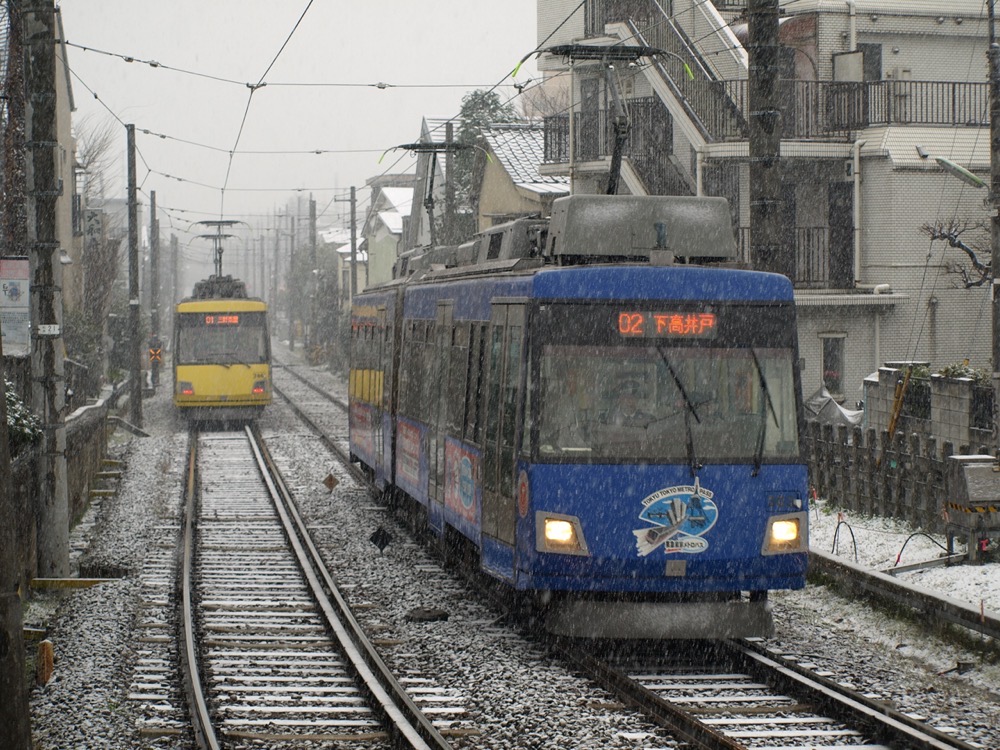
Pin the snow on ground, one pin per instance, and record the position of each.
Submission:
(882, 543)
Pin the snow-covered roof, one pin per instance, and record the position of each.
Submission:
(400, 198)
(435, 130)
(335, 235)
(393, 221)
(520, 149)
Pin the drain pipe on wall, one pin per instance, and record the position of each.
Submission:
(699, 165)
(857, 210)
(852, 35)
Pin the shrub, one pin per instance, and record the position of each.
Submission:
(24, 428)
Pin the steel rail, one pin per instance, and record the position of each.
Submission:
(683, 725)
(885, 724)
(410, 725)
(201, 720)
(881, 587)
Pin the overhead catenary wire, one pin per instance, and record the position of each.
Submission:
(231, 153)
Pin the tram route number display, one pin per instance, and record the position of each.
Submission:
(222, 320)
(641, 324)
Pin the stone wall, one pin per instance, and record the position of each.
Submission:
(86, 444)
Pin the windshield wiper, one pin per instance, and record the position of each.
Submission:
(758, 456)
(689, 412)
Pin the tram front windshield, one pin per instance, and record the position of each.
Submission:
(221, 338)
(724, 397)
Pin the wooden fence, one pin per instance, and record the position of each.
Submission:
(866, 472)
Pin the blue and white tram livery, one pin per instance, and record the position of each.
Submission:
(612, 421)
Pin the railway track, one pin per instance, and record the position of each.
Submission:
(272, 652)
(745, 696)
(736, 695)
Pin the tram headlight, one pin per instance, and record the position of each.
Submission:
(559, 533)
(785, 534)
(259, 387)
(185, 388)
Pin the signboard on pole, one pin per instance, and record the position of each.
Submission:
(15, 306)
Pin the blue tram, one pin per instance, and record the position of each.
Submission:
(606, 410)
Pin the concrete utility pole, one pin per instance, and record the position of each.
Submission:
(47, 350)
(768, 251)
(354, 243)
(275, 267)
(15, 717)
(288, 280)
(175, 260)
(155, 346)
(135, 345)
(314, 281)
(993, 55)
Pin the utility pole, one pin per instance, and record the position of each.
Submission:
(354, 244)
(15, 716)
(768, 251)
(175, 257)
(288, 281)
(314, 281)
(275, 266)
(155, 346)
(450, 235)
(135, 345)
(47, 351)
(175, 289)
(993, 55)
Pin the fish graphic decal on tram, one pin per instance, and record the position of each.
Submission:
(680, 515)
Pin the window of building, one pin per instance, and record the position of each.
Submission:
(833, 363)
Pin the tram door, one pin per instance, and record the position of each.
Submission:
(505, 355)
(442, 345)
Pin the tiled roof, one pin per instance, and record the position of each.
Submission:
(520, 148)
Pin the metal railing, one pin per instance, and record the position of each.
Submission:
(812, 255)
(832, 110)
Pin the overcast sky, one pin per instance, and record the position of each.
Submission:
(430, 53)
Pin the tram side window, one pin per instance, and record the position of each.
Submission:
(456, 379)
(474, 380)
(410, 372)
(477, 367)
(507, 433)
(432, 376)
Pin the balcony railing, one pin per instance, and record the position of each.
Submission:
(812, 256)
(829, 110)
(649, 145)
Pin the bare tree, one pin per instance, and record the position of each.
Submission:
(97, 154)
(977, 272)
(540, 99)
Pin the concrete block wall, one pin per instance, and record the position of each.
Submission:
(951, 400)
(951, 406)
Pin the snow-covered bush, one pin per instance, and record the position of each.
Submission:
(24, 428)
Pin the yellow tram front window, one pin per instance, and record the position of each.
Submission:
(222, 338)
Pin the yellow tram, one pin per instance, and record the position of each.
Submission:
(221, 353)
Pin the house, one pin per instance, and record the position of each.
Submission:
(386, 224)
(872, 93)
(431, 197)
(511, 185)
